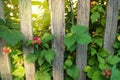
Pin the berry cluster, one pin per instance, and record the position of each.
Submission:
(106, 73)
(6, 50)
(36, 40)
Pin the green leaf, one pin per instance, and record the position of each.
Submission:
(103, 22)
(93, 51)
(41, 61)
(43, 53)
(89, 71)
(99, 30)
(103, 66)
(45, 67)
(92, 61)
(45, 45)
(31, 58)
(84, 39)
(78, 29)
(100, 9)
(72, 48)
(95, 16)
(49, 56)
(47, 37)
(115, 73)
(100, 59)
(42, 76)
(14, 35)
(102, 52)
(113, 59)
(69, 40)
(96, 75)
(19, 72)
(68, 62)
(98, 41)
(73, 72)
(117, 44)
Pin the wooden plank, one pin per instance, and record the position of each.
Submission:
(4, 59)
(26, 29)
(119, 3)
(58, 30)
(83, 19)
(111, 25)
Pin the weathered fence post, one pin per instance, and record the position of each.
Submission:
(58, 30)
(111, 25)
(83, 19)
(26, 28)
(4, 59)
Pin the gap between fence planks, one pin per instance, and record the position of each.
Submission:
(58, 30)
(111, 25)
(4, 59)
(26, 29)
(82, 19)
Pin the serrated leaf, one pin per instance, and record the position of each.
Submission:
(72, 48)
(45, 67)
(84, 39)
(69, 40)
(93, 51)
(45, 45)
(92, 61)
(113, 59)
(89, 71)
(96, 75)
(115, 75)
(42, 75)
(14, 35)
(95, 16)
(98, 41)
(100, 9)
(73, 72)
(19, 72)
(102, 52)
(103, 66)
(41, 61)
(31, 58)
(100, 59)
(43, 53)
(117, 44)
(68, 62)
(78, 29)
(49, 56)
(47, 37)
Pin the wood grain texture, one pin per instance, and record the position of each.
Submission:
(26, 29)
(4, 59)
(111, 25)
(58, 30)
(82, 19)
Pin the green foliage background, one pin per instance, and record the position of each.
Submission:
(98, 58)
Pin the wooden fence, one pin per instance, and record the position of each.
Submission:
(58, 30)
